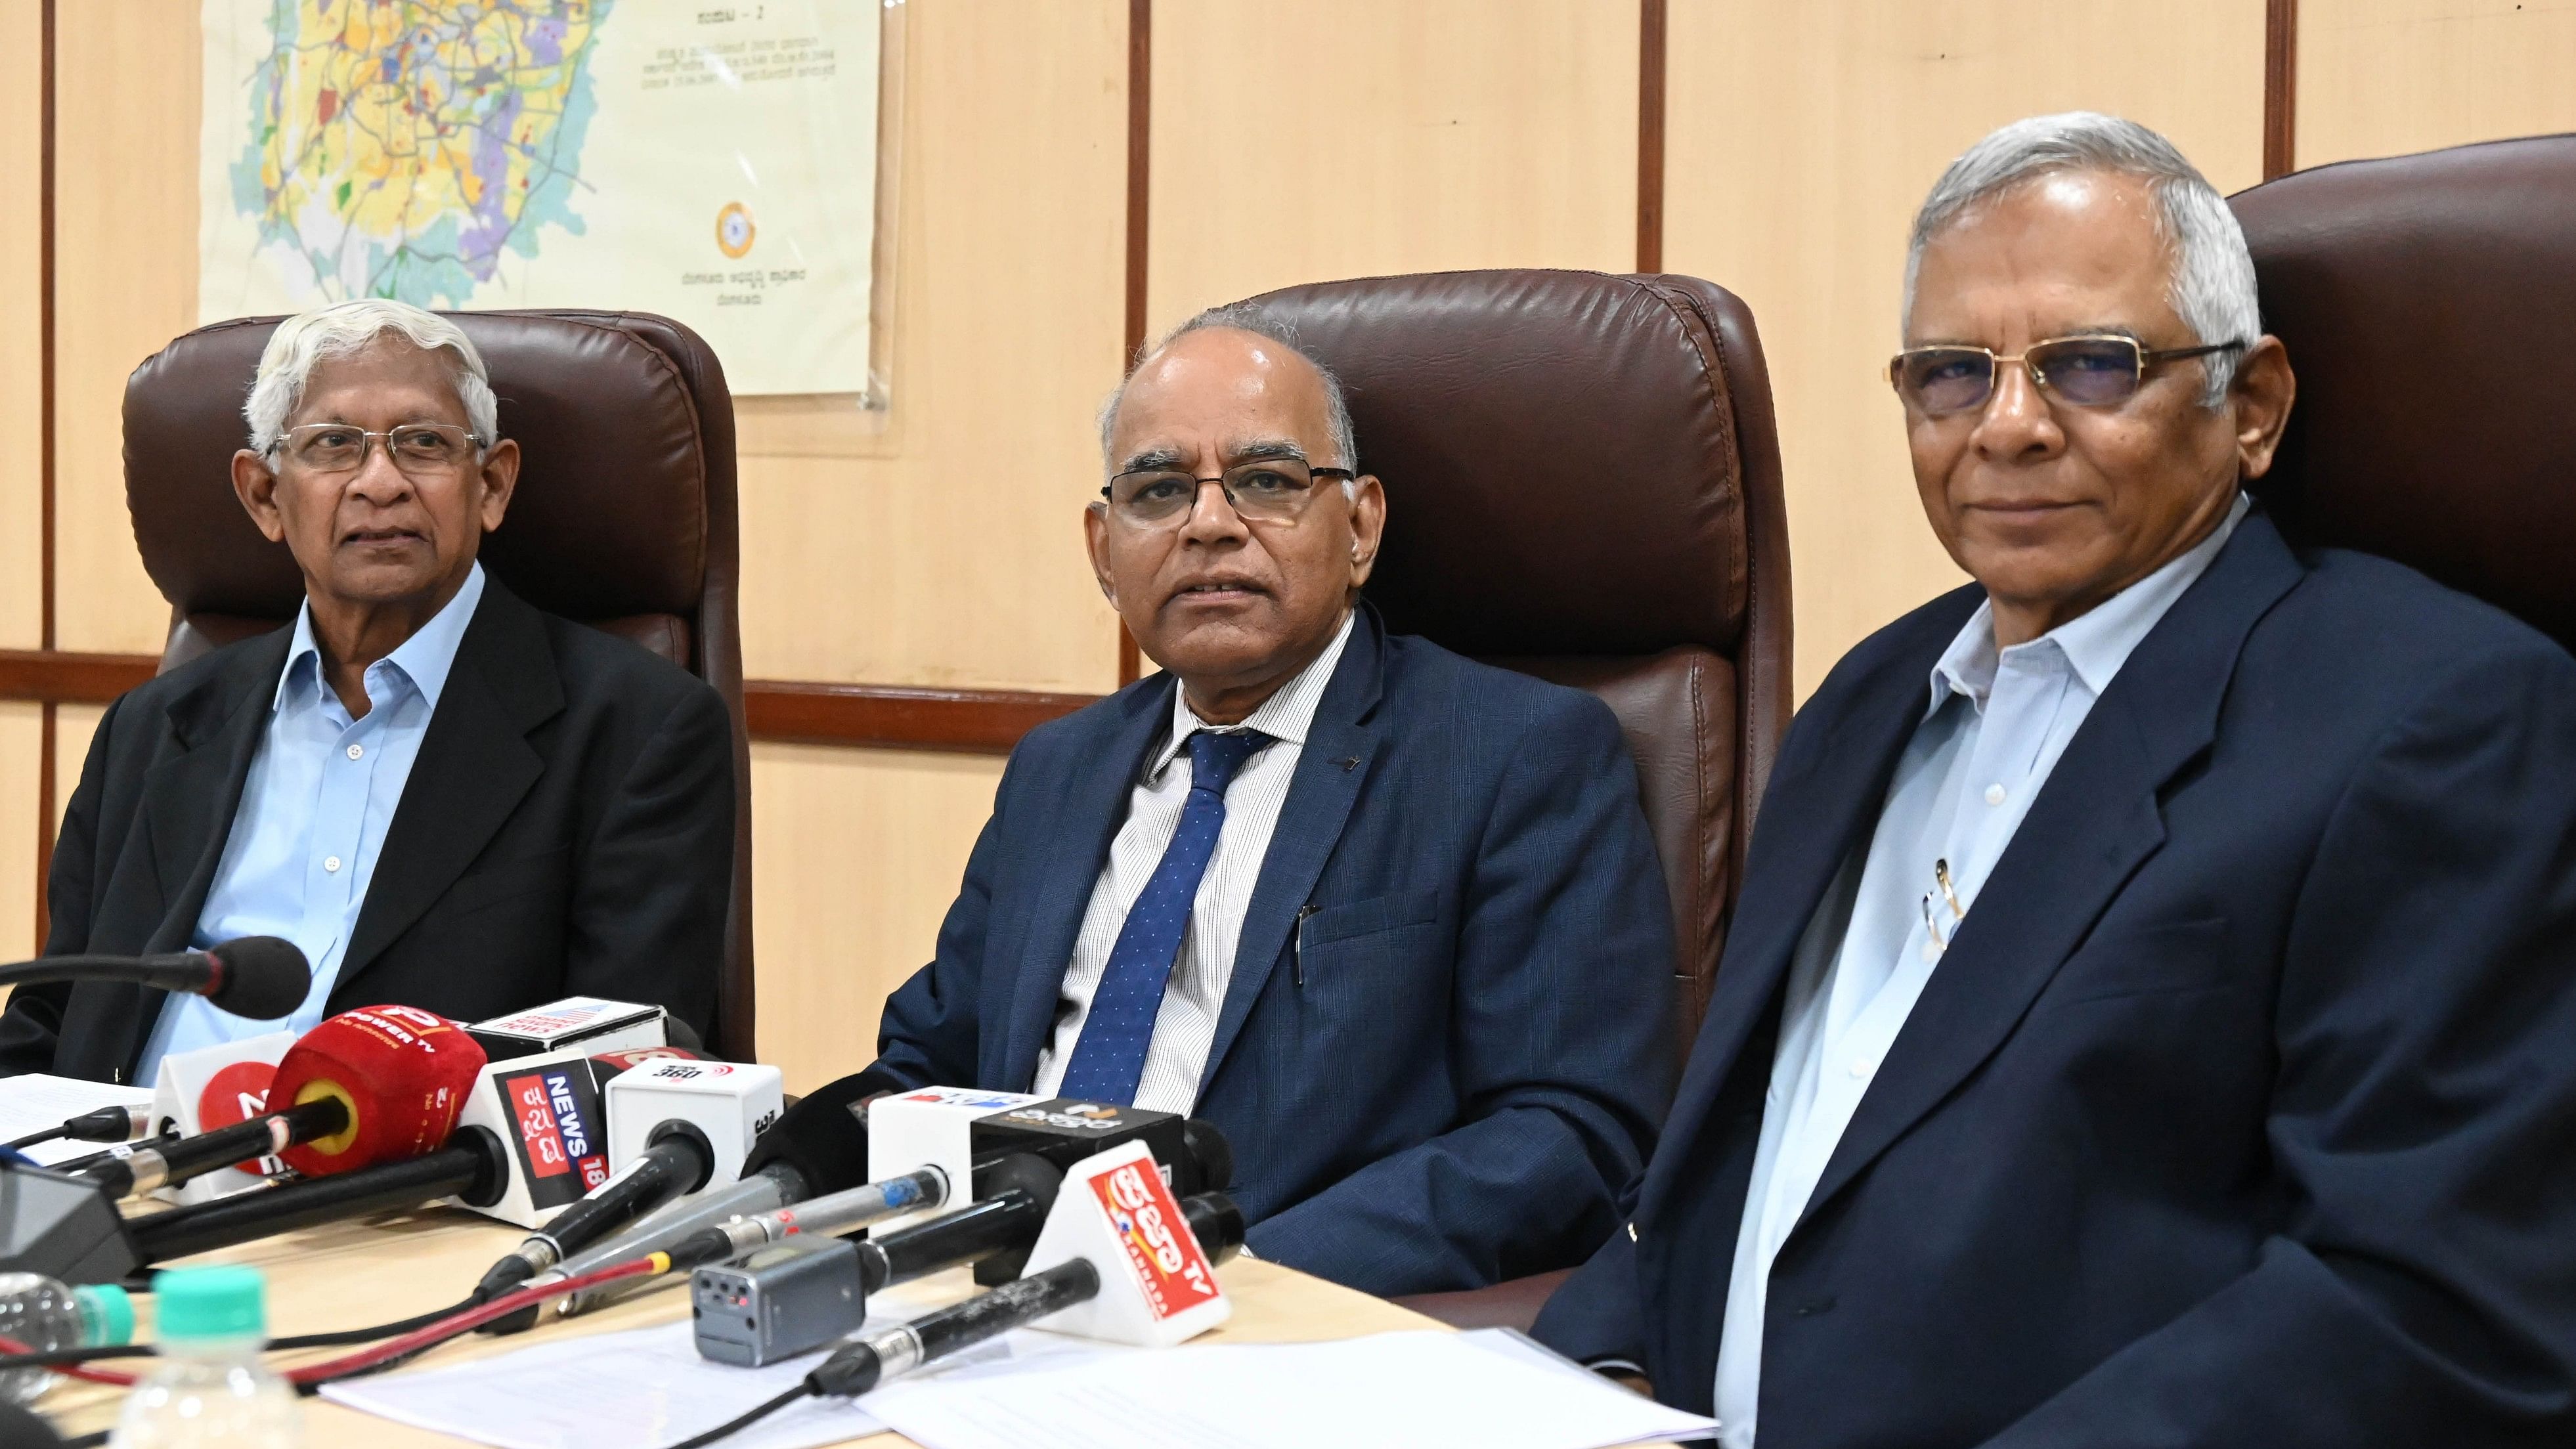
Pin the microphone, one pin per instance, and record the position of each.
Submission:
(676, 1160)
(400, 1073)
(145, 1168)
(475, 1167)
(107, 1124)
(258, 977)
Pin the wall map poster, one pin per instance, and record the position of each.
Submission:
(711, 160)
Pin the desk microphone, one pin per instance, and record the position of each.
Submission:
(258, 977)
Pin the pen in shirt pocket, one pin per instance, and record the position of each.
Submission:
(1297, 946)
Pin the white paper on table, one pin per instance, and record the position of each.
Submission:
(1389, 1391)
(36, 1101)
(647, 1387)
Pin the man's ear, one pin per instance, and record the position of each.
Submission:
(1095, 541)
(255, 484)
(2264, 390)
(500, 481)
(1368, 526)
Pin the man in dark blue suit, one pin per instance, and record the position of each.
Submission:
(1391, 919)
(2151, 1015)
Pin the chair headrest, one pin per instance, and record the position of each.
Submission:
(2429, 312)
(1566, 454)
(611, 515)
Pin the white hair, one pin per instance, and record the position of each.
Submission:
(1253, 318)
(2212, 287)
(308, 339)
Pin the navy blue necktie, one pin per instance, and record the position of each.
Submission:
(1110, 1057)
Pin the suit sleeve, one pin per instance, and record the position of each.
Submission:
(1561, 1040)
(2421, 1289)
(31, 1026)
(649, 908)
(930, 1034)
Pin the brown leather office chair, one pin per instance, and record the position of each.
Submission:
(2429, 306)
(1583, 483)
(624, 518)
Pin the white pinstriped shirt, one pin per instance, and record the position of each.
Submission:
(1186, 1026)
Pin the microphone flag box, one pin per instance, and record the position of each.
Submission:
(548, 1113)
(217, 1086)
(729, 1102)
(1157, 1286)
(575, 1021)
(933, 1127)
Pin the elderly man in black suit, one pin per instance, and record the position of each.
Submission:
(448, 799)
(2151, 1018)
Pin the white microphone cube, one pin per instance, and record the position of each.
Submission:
(731, 1102)
(217, 1086)
(1157, 1287)
(589, 1022)
(933, 1127)
(547, 1112)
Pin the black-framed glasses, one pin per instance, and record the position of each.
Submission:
(426, 449)
(1265, 490)
(2088, 372)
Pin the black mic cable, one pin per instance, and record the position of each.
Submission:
(107, 1124)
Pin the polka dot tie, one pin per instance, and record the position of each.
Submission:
(1110, 1058)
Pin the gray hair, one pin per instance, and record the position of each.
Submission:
(308, 339)
(1253, 318)
(2212, 288)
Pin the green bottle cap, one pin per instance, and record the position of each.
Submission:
(107, 1315)
(202, 1303)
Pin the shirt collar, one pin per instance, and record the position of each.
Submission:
(1286, 715)
(424, 659)
(2094, 643)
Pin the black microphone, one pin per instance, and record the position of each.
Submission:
(258, 977)
(677, 1159)
(266, 1135)
(107, 1124)
(474, 1166)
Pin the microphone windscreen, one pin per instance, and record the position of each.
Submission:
(264, 977)
(824, 1137)
(403, 1073)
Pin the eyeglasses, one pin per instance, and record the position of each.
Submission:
(2089, 372)
(418, 449)
(1267, 490)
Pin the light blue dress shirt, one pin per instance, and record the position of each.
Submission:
(315, 807)
(1992, 731)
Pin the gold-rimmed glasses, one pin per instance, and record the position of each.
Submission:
(2088, 372)
(420, 449)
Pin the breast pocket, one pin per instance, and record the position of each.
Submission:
(2165, 958)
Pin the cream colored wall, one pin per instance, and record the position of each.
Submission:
(1800, 139)
(2386, 77)
(941, 547)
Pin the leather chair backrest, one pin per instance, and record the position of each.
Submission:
(2428, 303)
(624, 519)
(1583, 483)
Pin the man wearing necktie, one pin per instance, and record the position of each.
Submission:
(1391, 919)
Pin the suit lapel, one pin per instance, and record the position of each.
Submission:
(1341, 747)
(474, 766)
(1828, 795)
(1085, 821)
(189, 799)
(2095, 821)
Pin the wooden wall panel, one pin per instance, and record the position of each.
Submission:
(21, 351)
(859, 854)
(2386, 77)
(951, 553)
(1346, 138)
(21, 739)
(126, 282)
(1801, 139)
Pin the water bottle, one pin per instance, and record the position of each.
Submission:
(45, 1316)
(209, 1389)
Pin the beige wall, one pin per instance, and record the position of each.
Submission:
(1398, 135)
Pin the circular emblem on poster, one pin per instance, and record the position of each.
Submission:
(734, 230)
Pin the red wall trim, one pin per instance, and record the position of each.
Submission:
(1651, 67)
(2280, 88)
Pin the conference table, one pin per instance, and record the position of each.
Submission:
(390, 1267)
(351, 1274)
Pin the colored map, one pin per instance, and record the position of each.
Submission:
(710, 160)
(399, 148)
